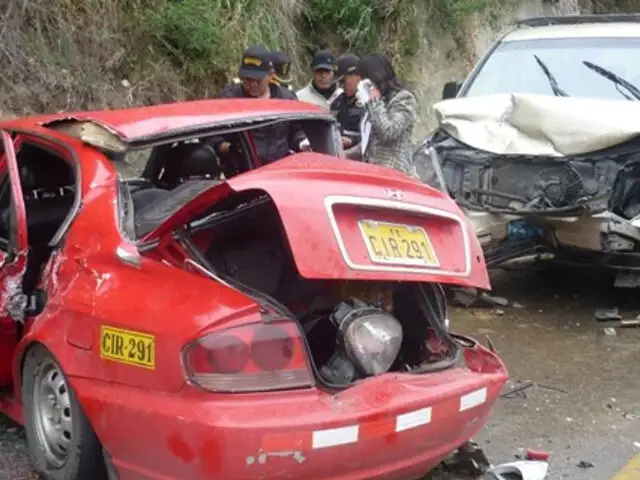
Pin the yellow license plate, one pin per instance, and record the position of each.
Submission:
(394, 243)
(126, 346)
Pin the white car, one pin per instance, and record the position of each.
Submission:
(540, 145)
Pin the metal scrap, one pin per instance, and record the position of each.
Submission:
(469, 459)
(614, 320)
(518, 390)
(607, 314)
(627, 323)
(472, 297)
(524, 469)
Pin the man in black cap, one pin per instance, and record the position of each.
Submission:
(322, 90)
(346, 107)
(274, 141)
(282, 69)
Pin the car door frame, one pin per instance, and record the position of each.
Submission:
(13, 261)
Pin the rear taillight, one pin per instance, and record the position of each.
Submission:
(252, 358)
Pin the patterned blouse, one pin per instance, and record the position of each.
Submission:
(392, 123)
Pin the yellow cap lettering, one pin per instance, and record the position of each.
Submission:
(252, 61)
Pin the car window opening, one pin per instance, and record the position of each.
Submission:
(164, 178)
(49, 188)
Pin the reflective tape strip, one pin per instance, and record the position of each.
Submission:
(334, 437)
(410, 420)
(473, 399)
(378, 426)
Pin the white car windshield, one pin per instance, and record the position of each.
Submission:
(576, 67)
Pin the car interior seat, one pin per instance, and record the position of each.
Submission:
(188, 161)
(190, 169)
(49, 190)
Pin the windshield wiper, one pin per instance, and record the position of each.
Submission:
(616, 79)
(557, 91)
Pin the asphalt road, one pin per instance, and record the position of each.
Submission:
(583, 405)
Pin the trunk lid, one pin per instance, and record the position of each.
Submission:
(341, 217)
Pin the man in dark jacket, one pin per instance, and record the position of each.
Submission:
(345, 107)
(274, 141)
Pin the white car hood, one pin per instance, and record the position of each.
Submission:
(526, 124)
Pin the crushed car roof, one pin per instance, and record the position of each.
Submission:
(152, 121)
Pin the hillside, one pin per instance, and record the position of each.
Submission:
(81, 54)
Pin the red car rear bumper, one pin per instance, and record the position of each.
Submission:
(396, 426)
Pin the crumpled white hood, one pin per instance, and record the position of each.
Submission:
(526, 124)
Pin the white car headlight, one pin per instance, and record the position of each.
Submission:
(371, 337)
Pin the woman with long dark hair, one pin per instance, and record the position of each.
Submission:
(389, 119)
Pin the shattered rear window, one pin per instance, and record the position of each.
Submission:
(132, 164)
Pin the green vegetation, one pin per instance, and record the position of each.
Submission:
(204, 38)
(79, 54)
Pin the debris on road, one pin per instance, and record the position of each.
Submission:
(524, 469)
(472, 297)
(519, 388)
(629, 323)
(491, 299)
(611, 331)
(627, 280)
(607, 314)
(465, 297)
(585, 464)
(469, 459)
(490, 345)
(613, 319)
(539, 455)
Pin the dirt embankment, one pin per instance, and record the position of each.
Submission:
(59, 55)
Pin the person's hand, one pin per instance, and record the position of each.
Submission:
(304, 145)
(375, 94)
(346, 142)
(224, 147)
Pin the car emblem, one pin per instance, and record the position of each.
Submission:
(393, 193)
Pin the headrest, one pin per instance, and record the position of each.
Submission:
(191, 160)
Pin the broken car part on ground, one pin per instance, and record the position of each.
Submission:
(206, 316)
(541, 147)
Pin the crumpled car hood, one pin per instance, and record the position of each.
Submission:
(526, 124)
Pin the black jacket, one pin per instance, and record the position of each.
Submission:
(275, 141)
(348, 114)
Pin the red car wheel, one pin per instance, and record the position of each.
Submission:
(62, 444)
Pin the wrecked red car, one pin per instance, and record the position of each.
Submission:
(171, 313)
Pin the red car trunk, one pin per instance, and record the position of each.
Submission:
(351, 237)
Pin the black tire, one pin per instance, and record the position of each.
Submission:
(83, 454)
